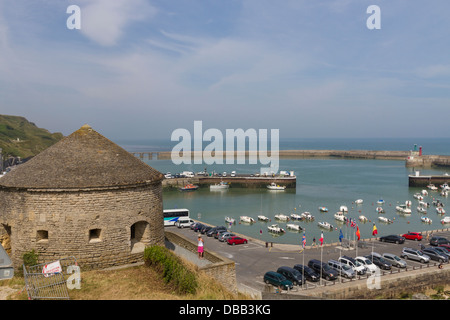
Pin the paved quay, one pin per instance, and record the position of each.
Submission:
(254, 259)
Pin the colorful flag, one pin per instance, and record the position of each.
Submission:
(304, 240)
(340, 235)
(352, 223)
(374, 231)
(358, 234)
(321, 239)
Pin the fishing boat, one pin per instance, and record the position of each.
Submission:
(323, 209)
(363, 218)
(281, 217)
(445, 220)
(230, 220)
(385, 220)
(293, 226)
(219, 186)
(263, 218)
(246, 219)
(325, 225)
(359, 201)
(307, 216)
(403, 209)
(189, 187)
(440, 210)
(380, 210)
(426, 220)
(296, 216)
(343, 209)
(274, 186)
(432, 187)
(421, 209)
(340, 216)
(275, 229)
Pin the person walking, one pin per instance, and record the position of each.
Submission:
(200, 247)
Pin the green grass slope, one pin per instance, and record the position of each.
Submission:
(21, 138)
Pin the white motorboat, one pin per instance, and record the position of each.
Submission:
(421, 209)
(424, 192)
(275, 229)
(403, 209)
(444, 193)
(385, 220)
(325, 225)
(340, 216)
(219, 186)
(432, 187)
(307, 216)
(323, 209)
(343, 209)
(440, 210)
(445, 220)
(359, 201)
(296, 216)
(293, 226)
(363, 218)
(281, 217)
(418, 196)
(274, 186)
(230, 220)
(263, 218)
(246, 219)
(408, 203)
(426, 220)
(424, 204)
(380, 202)
(438, 203)
(380, 210)
(445, 186)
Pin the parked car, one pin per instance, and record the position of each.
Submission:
(413, 254)
(394, 260)
(212, 231)
(309, 273)
(342, 269)
(392, 238)
(417, 236)
(378, 260)
(184, 222)
(224, 236)
(204, 229)
(236, 240)
(357, 266)
(218, 233)
(372, 268)
(445, 251)
(292, 275)
(435, 255)
(277, 280)
(437, 241)
(323, 268)
(445, 246)
(198, 227)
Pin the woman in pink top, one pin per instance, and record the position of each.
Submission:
(200, 247)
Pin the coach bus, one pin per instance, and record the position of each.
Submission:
(171, 216)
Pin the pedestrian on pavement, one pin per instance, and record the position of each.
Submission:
(200, 247)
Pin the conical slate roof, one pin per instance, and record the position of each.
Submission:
(84, 159)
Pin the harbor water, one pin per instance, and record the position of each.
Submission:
(327, 183)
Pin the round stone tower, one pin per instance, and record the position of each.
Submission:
(84, 197)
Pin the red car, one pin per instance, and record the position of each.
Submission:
(445, 246)
(413, 236)
(236, 240)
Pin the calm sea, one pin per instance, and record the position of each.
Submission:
(320, 182)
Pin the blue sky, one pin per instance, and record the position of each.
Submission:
(139, 69)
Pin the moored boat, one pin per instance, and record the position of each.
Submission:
(385, 220)
(432, 187)
(363, 218)
(380, 210)
(307, 216)
(445, 220)
(274, 186)
(246, 219)
(343, 209)
(219, 186)
(275, 228)
(263, 218)
(380, 202)
(230, 220)
(426, 220)
(325, 225)
(359, 201)
(440, 210)
(323, 209)
(340, 216)
(293, 226)
(189, 187)
(295, 216)
(421, 209)
(281, 217)
(403, 209)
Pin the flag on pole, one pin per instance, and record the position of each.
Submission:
(321, 239)
(260, 231)
(358, 234)
(374, 231)
(340, 235)
(304, 240)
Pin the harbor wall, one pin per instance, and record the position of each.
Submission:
(428, 161)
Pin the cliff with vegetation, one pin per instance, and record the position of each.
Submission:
(21, 138)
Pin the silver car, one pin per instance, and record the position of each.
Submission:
(342, 269)
(224, 236)
(395, 260)
(413, 254)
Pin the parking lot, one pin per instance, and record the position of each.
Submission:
(254, 259)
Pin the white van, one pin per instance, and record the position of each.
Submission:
(184, 222)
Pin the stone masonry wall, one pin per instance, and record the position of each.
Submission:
(95, 226)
